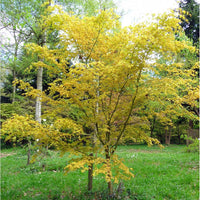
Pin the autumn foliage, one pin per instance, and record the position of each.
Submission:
(115, 77)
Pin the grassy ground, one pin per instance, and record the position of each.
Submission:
(159, 174)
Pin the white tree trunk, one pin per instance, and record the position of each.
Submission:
(38, 105)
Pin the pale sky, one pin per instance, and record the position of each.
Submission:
(136, 10)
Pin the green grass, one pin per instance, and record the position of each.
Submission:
(160, 174)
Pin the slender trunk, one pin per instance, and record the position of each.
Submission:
(91, 166)
(93, 140)
(152, 125)
(191, 126)
(15, 64)
(151, 134)
(170, 133)
(179, 139)
(29, 153)
(38, 105)
(110, 189)
(179, 135)
(168, 136)
(28, 156)
(109, 175)
(90, 175)
(187, 142)
(14, 86)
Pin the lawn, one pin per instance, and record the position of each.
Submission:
(160, 174)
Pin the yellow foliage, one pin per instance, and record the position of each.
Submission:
(18, 128)
(115, 75)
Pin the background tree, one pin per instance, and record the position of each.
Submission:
(23, 16)
(191, 25)
(10, 19)
(169, 110)
(22, 20)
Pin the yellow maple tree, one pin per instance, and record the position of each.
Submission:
(113, 77)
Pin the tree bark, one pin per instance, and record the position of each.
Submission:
(38, 105)
(110, 189)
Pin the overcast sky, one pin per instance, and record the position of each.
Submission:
(136, 10)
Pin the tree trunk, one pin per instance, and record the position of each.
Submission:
(14, 87)
(38, 105)
(110, 189)
(93, 140)
(179, 139)
(90, 175)
(179, 135)
(91, 166)
(187, 142)
(29, 153)
(170, 133)
(168, 136)
(152, 126)
(191, 126)
(15, 64)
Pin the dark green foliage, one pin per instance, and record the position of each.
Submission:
(21, 107)
(8, 109)
(192, 26)
(5, 99)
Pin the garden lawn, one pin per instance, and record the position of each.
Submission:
(160, 174)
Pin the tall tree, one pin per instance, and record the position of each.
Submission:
(10, 47)
(23, 19)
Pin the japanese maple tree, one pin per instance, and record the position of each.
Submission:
(115, 75)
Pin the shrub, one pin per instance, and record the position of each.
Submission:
(194, 147)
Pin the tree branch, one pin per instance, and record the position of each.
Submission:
(130, 111)
(118, 99)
